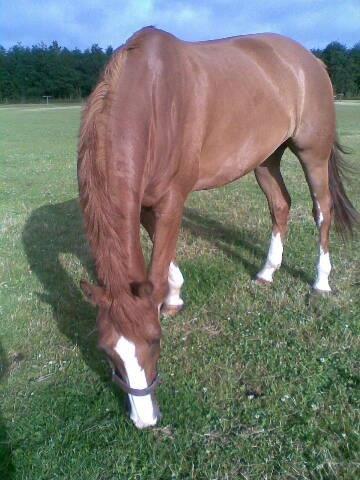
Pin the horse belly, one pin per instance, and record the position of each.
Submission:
(223, 162)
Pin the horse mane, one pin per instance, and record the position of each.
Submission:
(96, 205)
(92, 145)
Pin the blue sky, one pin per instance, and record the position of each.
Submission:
(81, 23)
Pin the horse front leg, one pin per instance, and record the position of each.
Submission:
(173, 303)
(163, 272)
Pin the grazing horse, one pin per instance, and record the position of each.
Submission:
(169, 117)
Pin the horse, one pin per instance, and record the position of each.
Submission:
(169, 117)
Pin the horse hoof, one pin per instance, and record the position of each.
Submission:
(171, 310)
(261, 281)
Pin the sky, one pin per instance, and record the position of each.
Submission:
(82, 23)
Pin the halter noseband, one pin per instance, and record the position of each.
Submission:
(138, 392)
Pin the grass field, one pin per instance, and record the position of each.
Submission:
(259, 383)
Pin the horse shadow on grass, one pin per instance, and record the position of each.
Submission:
(233, 242)
(7, 468)
(54, 238)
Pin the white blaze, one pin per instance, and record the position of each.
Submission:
(176, 281)
(142, 410)
(323, 272)
(273, 260)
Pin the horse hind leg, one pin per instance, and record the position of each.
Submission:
(315, 163)
(270, 180)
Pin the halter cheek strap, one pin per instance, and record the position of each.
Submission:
(137, 392)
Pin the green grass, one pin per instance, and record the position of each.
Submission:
(259, 383)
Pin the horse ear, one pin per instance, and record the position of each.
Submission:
(142, 289)
(94, 294)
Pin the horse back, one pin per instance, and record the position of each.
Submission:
(201, 114)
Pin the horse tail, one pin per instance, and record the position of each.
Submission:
(346, 216)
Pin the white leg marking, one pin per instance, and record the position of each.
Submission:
(320, 217)
(142, 410)
(273, 260)
(324, 265)
(323, 272)
(176, 281)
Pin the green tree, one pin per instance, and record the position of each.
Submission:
(336, 57)
(29, 73)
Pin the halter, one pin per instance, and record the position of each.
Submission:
(138, 392)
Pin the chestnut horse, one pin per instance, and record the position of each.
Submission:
(169, 117)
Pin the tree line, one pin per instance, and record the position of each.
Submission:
(30, 73)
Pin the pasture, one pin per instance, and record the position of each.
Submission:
(258, 382)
